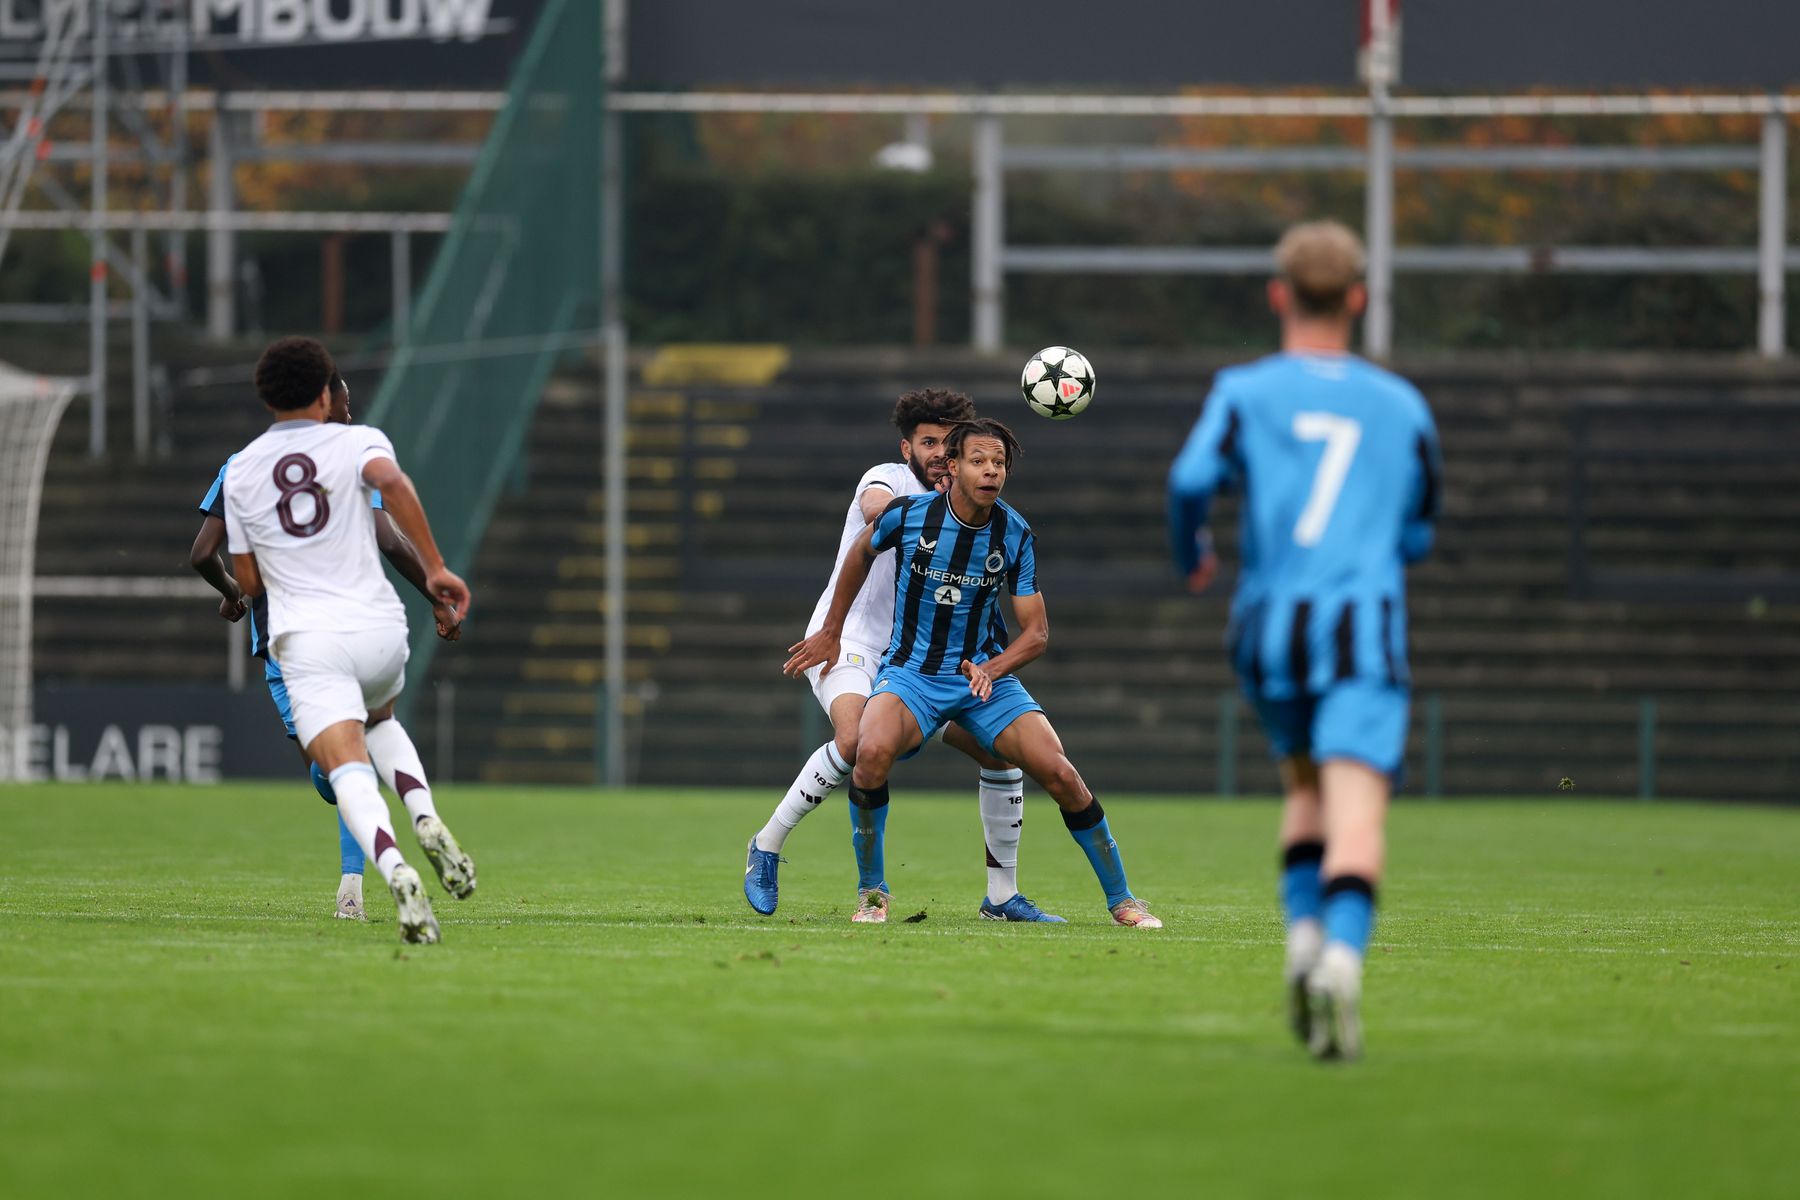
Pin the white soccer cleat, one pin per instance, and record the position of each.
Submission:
(349, 900)
(1305, 940)
(455, 869)
(1334, 998)
(1135, 914)
(414, 910)
(871, 907)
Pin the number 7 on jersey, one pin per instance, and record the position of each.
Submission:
(1340, 435)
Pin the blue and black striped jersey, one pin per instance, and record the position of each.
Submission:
(1339, 465)
(946, 590)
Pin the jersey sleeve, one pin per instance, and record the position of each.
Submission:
(882, 476)
(375, 445)
(1021, 580)
(1419, 534)
(887, 525)
(1209, 462)
(214, 503)
(237, 541)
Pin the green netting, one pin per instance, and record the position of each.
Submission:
(515, 278)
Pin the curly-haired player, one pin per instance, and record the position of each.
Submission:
(949, 657)
(395, 756)
(299, 526)
(842, 685)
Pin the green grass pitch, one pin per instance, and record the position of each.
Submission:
(1565, 999)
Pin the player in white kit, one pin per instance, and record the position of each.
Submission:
(299, 526)
(924, 418)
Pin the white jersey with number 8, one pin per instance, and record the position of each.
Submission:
(296, 499)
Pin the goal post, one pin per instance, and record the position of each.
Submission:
(30, 408)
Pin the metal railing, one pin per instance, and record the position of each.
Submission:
(1379, 159)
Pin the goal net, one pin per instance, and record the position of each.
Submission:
(30, 407)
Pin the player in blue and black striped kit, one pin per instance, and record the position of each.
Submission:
(1338, 463)
(949, 659)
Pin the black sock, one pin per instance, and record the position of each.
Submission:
(875, 797)
(1087, 818)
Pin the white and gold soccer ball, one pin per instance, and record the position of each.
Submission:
(1058, 383)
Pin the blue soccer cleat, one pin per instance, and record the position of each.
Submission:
(1017, 909)
(760, 886)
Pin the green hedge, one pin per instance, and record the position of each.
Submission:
(814, 260)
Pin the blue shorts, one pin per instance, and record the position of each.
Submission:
(1356, 719)
(936, 700)
(278, 693)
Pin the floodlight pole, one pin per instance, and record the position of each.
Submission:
(1378, 321)
(1380, 66)
(1771, 331)
(612, 321)
(97, 241)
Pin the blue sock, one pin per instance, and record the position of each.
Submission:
(348, 851)
(1302, 887)
(1350, 911)
(1088, 828)
(322, 785)
(868, 835)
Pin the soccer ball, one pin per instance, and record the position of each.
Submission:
(1058, 383)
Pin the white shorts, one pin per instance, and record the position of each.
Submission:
(334, 677)
(853, 674)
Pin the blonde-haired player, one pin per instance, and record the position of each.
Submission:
(1338, 460)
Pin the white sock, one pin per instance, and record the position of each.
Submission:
(366, 815)
(1305, 941)
(822, 772)
(397, 759)
(1002, 821)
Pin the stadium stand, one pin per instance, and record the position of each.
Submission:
(1542, 662)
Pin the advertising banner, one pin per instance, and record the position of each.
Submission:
(139, 733)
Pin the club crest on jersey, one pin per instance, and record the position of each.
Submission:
(995, 561)
(948, 594)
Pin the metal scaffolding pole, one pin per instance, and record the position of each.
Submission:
(1771, 326)
(140, 343)
(97, 244)
(989, 234)
(177, 252)
(221, 251)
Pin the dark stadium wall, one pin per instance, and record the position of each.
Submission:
(1046, 46)
(1149, 44)
(1452, 44)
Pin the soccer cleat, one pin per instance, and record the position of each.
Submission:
(455, 870)
(1305, 939)
(414, 910)
(1132, 913)
(871, 906)
(1017, 909)
(760, 886)
(349, 900)
(1334, 1002)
